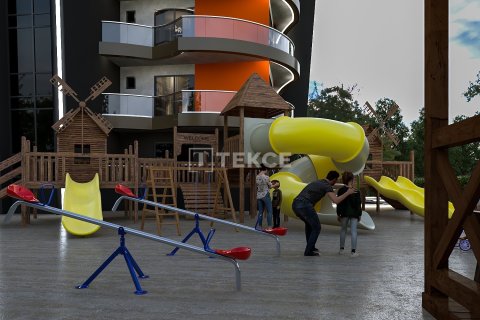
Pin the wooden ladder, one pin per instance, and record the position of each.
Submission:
(207, 198)
(162, 190)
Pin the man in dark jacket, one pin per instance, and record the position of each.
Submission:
(303, 206)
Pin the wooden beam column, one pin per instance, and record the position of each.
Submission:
(436, 116)
(241, 184)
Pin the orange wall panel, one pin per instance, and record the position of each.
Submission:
(252, 10)
(228, 76)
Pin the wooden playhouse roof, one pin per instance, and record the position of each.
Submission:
(67, 119)
(258, 99)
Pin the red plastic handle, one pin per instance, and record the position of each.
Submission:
(22, 193)
(125, 191)
(280, 231)
(240, 253)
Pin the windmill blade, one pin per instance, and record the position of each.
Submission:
(392, 137)
(392, 110)
(368, 110)
(64, 87)
(98, 88)
(372, 134)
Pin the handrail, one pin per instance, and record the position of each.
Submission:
(193, 214)
(127, 230)
(227, 18)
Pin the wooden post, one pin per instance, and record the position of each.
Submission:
(412, 164)
(136, 178)
(436, 116)
(241, 184)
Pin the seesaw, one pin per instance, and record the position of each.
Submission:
(27, 198)
(127, 194)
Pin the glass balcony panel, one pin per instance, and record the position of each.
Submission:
(167, 105)
(126, 104)
(196, 26)
(207, 101)
(127, 33)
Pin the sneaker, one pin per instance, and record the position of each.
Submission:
(341, 251)
(312, 254)
(316, 250)
(354, 254)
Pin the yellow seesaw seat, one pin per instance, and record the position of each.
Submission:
(83, 199)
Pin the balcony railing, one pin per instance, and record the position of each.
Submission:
(168, 105)
(128, 33)
(196, 27)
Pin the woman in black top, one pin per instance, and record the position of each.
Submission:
(349, 210)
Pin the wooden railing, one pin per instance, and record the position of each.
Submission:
(231, 146)
(393, 169)
(10, 169)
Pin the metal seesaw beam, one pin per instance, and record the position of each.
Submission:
(127, 230)
(193, 214)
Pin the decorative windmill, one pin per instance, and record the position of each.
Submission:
(81, 131)
(381, 129)
(95, 90)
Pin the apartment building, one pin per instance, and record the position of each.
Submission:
(172, 63)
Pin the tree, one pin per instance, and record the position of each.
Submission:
(464, 158)
(473, 89)
(416, 142)
(335, 103)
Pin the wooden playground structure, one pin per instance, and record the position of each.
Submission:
(448, 294)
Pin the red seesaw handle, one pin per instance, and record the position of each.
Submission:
(240, 253)
(280, 231)
(125, 191)
(22, 193)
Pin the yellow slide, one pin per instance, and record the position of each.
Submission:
(84, 199)
(404, 191)
(329, 144)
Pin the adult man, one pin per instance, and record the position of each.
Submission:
(303, 206)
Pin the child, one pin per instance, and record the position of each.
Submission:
(263, 198)
(276, 202)
(349, 211)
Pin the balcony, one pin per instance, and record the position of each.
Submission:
(138, 111)
(196, 39)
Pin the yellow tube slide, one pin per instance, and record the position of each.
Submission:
(84, 199)
(344, 143)
(404, 191)
(331, 145)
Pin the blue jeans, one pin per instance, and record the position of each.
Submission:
(263, 203)
(353, 230)
(305, 211)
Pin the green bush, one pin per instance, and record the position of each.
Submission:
(420, 181)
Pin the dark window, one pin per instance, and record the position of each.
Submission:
(43, 85)
(30, 58)
(20, 21)
(41, 6)
(43, 50)
(83, 149)
(21, 84)
(130, 17)
(170, 98)
(21, 50)
(130, 83)
(23, 124)
(163, 150)
(21, 103)
(19, 6)
(44, 130)
(41, 20)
